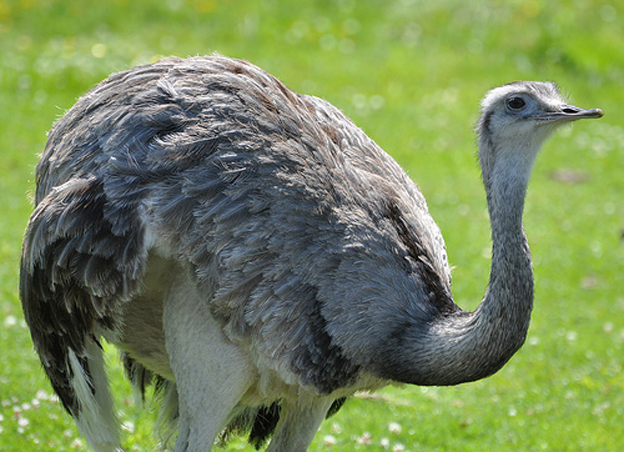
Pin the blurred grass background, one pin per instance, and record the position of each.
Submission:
(411, 74)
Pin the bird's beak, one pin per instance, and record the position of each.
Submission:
(572, 112)
(566, 113)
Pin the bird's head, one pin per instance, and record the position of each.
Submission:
(518, 117)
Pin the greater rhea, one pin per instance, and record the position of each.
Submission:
(256, 256)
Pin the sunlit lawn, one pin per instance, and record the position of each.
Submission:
(411, 74)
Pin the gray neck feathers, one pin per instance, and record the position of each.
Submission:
(464, 346)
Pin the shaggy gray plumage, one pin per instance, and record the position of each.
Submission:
(259, 256)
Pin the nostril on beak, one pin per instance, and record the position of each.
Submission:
(570, 110)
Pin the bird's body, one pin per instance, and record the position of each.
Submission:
(256, 254)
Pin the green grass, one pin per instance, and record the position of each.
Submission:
(411, 74)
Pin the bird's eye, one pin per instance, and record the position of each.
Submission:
(516, 103)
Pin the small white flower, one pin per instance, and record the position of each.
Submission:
(23, 422)
(329, 440)
(394, 427)
(365, 439)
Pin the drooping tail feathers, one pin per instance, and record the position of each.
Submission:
(78, 266)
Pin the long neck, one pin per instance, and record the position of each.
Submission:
(464, 346)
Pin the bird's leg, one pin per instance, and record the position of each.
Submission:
(212, 373)
(299, 421)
